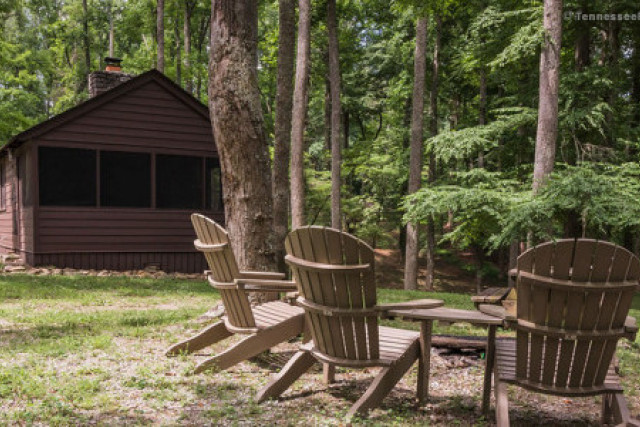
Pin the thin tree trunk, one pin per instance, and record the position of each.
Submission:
(336, 147)
(160, 35)
(112, 33)
(433, 104)
(236, 117)
(176, 34)
(327, 114)
(547, 132)
(412, 247)
(482, 110)
(87, 46)
(282, 144)
(300, 105)
(188, 78)
(614, 53)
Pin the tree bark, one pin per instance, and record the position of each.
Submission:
(188, 78)
(282, 144)
(482, 110)
(300, 105)
(176, 35)
(236, 117)
(336, 114)
(412, 247)
(433, 106)
(160, 35)
(87, 46)
(112, 33)
(547, 132)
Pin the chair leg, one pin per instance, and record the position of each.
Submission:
(385, 381)
(328, 373)
(615, 405)
(295, 367)
(209, 335)
(253, 345)
(502, 401)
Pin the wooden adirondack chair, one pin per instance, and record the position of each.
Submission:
(573, 297)
(265, 325)
(335, 276)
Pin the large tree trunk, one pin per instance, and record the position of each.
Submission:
(282, 144)
(433, 127)
(236, 116)
(336, 114)
(548, 103)
(300, 104)
(188, 78)
(415, 157)
(160, 35)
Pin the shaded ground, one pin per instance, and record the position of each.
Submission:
(91, 351)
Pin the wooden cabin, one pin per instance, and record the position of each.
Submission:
(112, 182)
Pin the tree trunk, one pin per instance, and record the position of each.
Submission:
(236, 116)
(87, 46)
(548, 103)
(282, 144)
(412, 248)
(482, 110)
(433, 106)
(583, 41)
(112, 33)
(336, 114)
(188, 78)
(614, 53)
(327, 114)
(300, 105)
(160, 35)
(176, 35)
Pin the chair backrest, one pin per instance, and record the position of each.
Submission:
(334, 272)
(213, 241)
(573, 299)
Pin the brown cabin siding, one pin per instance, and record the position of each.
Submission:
(6, 218)
(150, 117)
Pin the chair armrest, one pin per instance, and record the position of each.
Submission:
(631, 328)
(265, 275)
(498, 311)
(513, 273)
(257, 285)
(410, 305)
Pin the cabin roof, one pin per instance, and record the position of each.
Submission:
(104, 98)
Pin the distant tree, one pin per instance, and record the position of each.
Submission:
(160, 35)
(415, 160)
(236, 116)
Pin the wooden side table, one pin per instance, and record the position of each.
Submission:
(450, 315)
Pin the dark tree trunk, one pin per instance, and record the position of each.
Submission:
(87, 46)
(583, 41)
(613, 56)
(336, 147)
(176, 35)
(112, 33)
(188, 78)
(160, 35)
(433, 106)
(236, 116)
(548, 103)
(327, 114)
(300, 105)
(282, 144)
(412, 248)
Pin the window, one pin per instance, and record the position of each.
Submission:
(67, 176)
(213, 185)
(125, 179)
(179, 182)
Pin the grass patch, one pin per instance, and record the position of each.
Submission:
(90, 350)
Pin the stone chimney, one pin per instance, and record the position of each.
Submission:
(112, 76)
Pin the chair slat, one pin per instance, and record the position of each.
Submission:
(354, 285)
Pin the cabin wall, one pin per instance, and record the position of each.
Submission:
(7, 171)
(147, 120)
